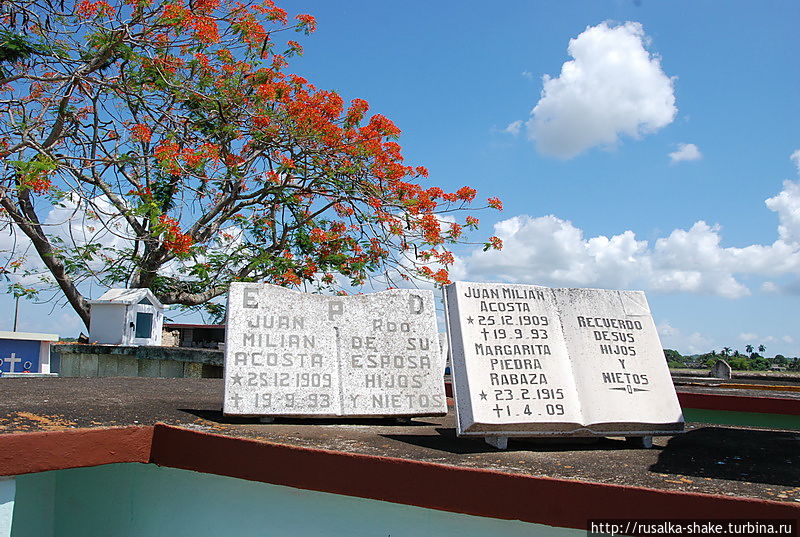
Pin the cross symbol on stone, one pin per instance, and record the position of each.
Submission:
(236, 398)
(11, 361)
(498, 409)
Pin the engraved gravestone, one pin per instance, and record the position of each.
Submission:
(290, 353)
(534, 361)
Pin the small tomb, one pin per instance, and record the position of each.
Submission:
(25, 353)
(126, 317)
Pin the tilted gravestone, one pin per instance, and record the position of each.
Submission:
(534, 361)
(289, 353)
(721, 370)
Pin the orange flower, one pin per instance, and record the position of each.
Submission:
(205, 29)
(141, 133)
(89, 10)
(205, 6)
(446, 258)
(317, 235)
(290, 277)
(174, 239)
(442, 277)
(495, 203)
(466, 193)
(307, 23)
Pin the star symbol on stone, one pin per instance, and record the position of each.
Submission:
(470, 320)
(237, 379)
(483, 396)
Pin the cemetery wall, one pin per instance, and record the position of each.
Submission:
(138, 361)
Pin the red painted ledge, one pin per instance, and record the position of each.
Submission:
(739, 403)
(25, 453)
(555, 502)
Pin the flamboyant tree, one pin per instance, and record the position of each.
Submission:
(163, 144)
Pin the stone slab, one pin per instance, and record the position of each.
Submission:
(107, 366)
(192, 370)
(70, 365)
(88, 365)
(128, 366)
(170, 369)
(533, 361)
(290, 353)
(721, 370)
(149, 368)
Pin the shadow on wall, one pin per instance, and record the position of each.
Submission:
(770, 457)
(447, 441)
(217, 416)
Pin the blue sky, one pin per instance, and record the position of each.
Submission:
(461, 78)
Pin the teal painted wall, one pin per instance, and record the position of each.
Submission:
(744, 419)
(34, 505)
(138, 500)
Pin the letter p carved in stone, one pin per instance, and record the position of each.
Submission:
(335, 307)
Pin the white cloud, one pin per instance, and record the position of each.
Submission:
(787, 205)
(613, 86)
(699, 343)
(548, 250)
(77, 222)
(514, 127)
(673, 338)
(665, 330)
(770, 287)
(789, 287)
(74, 223)
(527, 74)
(685, 152)
(788, 339)
(748, 337)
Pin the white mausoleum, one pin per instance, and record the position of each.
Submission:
(126, 317)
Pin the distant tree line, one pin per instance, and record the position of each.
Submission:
(753, 359)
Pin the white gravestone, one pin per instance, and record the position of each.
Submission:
(289, 353)
(534, 361)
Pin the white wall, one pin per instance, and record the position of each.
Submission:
(7, 495)
(111, 324)
(107, 323)
(158, 323)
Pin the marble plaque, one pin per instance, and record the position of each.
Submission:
(533, 361)
(290, 353)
